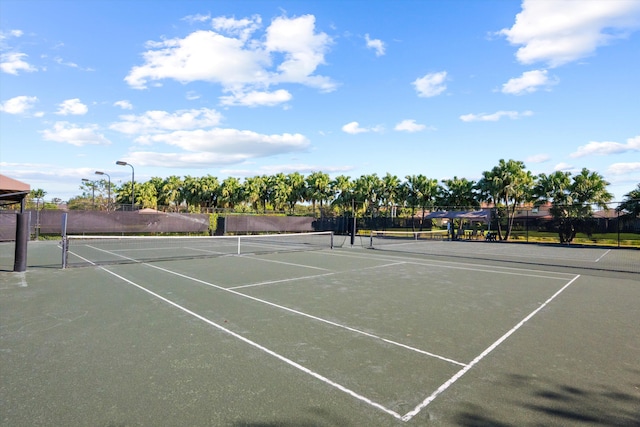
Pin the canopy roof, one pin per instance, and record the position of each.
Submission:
(12, 190)
(483, 215)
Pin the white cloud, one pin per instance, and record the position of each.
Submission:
(274, 169)
(14, 63)
(564, 167)
(409, 125)
(152, 122)
(607, 147)
(73, 107)
(529, 82)
(74, 135)
(538, 158)
(561, 31)
(256, 98)
(197, 18)
(124, 104)
(244, 62)
(218, 146)
(18, 105)
(376, 44)
(624, 168)
(494, 117)
(431, 84)
(354, 128)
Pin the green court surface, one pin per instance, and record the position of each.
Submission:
(333, 337)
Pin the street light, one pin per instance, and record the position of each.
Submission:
(133, 197)
(108, 188)
(93, 191)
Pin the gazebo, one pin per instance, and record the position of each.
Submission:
(13, 191)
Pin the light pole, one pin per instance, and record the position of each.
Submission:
(133, 196)
(93, 191)
(108, 188)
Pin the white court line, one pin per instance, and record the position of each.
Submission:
(310, 316)
(273, 282)
(603, 255)
(262, 348)
(459, 266)
(300, 313)
(283, 262)
(481, 356)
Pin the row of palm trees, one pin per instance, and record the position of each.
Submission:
(508, 185)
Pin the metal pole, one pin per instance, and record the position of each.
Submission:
(133, 184)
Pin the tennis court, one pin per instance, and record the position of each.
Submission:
(409, 333)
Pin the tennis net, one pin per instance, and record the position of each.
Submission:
(98, 250)
(528, 255)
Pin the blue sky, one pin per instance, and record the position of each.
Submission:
(244, 88)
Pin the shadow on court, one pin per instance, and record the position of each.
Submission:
(554, 403)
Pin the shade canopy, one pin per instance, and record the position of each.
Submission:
(12, 190)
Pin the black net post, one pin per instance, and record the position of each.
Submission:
(23, 220)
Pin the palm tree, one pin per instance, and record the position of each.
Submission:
(572, 199)
(390, 191)
(508, 184)
(146, 195)
(318, 188)
(342, 189)
(172, 191)
(231, 192)
(631, 204)
(253, 191)
(426, 193)
(410, 192)
(298, 187)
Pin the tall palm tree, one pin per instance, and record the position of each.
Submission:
(507, 184)
(390, 191)
(172, 191)
(298, 186)
(342, 189)
(318, 188)
(572, 198)
(230, 192)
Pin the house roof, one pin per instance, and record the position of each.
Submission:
(12, 190)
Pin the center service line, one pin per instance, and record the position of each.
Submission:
(261, 348)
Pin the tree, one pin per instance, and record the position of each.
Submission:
(426, 193)
(390, 192)
(457, 193)
(318, 188)
(146, 195)
(172, 192)
(410, 193)
(298, 189)
(342, 189)
(572, 199)
(631, 203)
(254, 188)
(230, 192)
(37, 194)
(507, 185)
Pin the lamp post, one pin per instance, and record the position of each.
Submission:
(133, 197)
(93, 191)
(108, 188)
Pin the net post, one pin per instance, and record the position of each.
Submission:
(65, 241)
(331, 243)
(371, 239)
(23, 226)
(239, 238)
